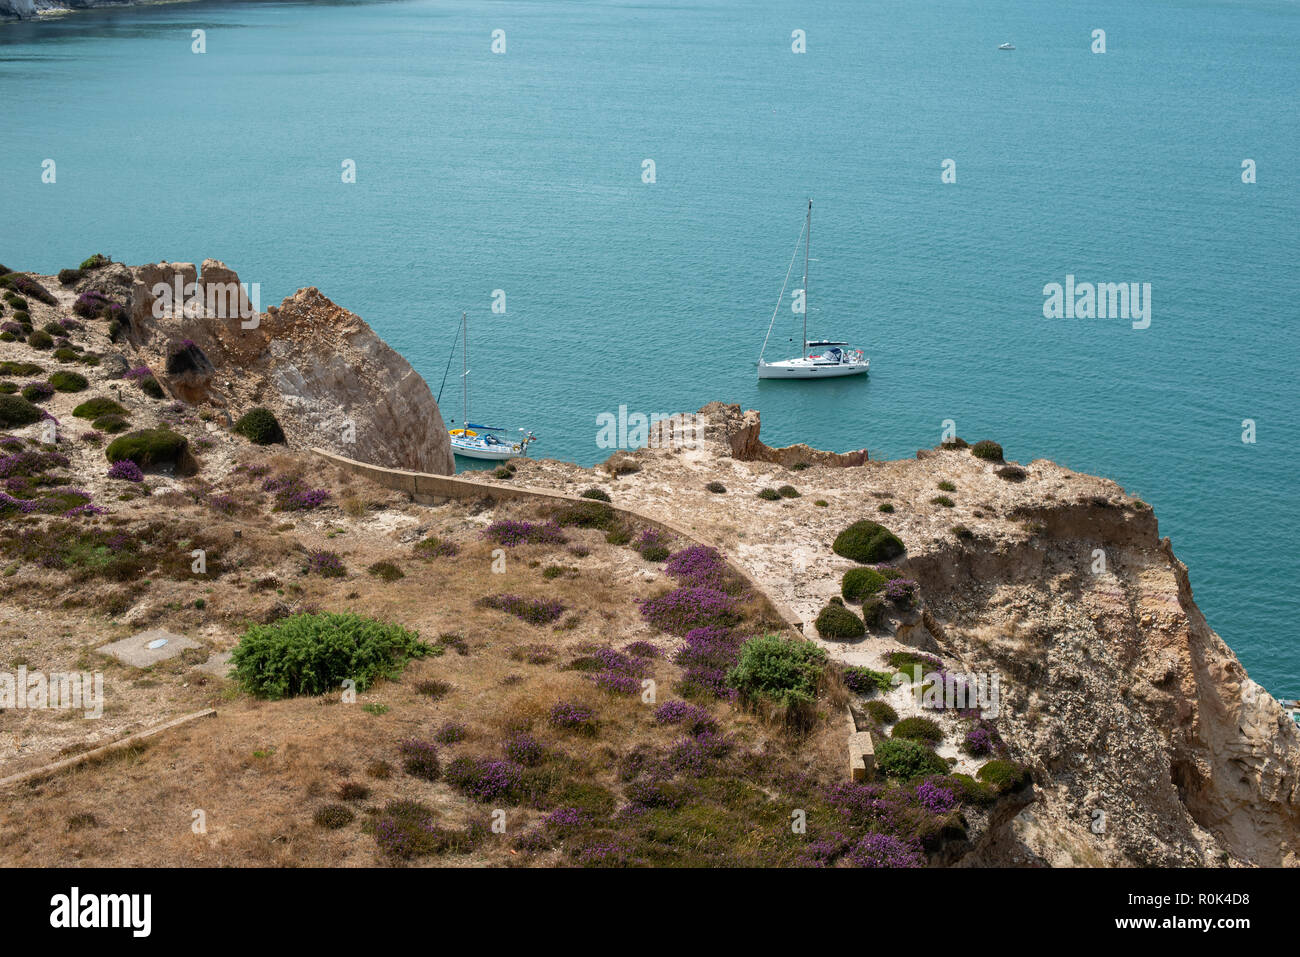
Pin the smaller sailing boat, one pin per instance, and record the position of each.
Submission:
(821, 358)
(1006, 46)
(479, 441)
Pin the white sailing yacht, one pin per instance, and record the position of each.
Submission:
(821, 358)
(479, 441)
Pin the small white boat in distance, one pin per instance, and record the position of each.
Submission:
(821, 358)
(1006, 46)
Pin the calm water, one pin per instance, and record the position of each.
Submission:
(522, 172)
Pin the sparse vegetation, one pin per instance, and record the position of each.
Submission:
(837, 623)
(988, 450)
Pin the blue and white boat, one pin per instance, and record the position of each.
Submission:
(480, 441)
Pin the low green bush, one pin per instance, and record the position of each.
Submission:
(858, 583)
(784, 670)
(769, 495)
(148, 447)
(66, 381)
(66, 354)
(94, 262)
(886, 507)
(946, 486)
(260, 427)
(919, 729)
(16, 411)
(313, 654)
(20, 368)
(94, 408)
(943, 501)
(40, 339)
(150, 387)
(905, 759)
(596, 494)
(867, 543)
(837, 623)
(587, 514)
(69, 277)
(788, 491)
(386, 571)
(717, 488)
(1003, 775)
(882, 712)
(988, 450)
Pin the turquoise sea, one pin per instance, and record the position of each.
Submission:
(522, 171)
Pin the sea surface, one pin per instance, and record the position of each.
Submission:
(523, 171)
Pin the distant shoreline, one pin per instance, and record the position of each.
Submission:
(26, 11)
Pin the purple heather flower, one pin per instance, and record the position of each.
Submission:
(935, 799)
(685, 609)
(510, 533)
(126, 470)
(886, 850)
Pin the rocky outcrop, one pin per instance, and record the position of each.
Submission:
(330, 380)
(739, 431)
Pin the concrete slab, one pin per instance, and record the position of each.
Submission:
(147, 648)
(218, 664)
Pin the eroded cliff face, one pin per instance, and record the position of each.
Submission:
(1148, 742)
(329, 379)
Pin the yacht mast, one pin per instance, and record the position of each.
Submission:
(464, 371)
(807, 243)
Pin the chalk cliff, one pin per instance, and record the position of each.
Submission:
(330, 380)
(1148, 742)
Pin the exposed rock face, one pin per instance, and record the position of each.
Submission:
(26, 9)
(327, 377)
(739, 431)
(1148, 743)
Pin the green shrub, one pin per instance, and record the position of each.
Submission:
(111, 423)
(597, 494)
(867, 543)
(8, 387)
(769, 495)
(148, 447)
(88, 359)
(873, 611)
(988, 450)
(886, 507)
(66, 381)
(96, 261)
(962, 532)
(66, 354)
(717, 488)
(943, 501)
(954, 443)
(946, 486)
(784, 670)
(919, 729)
(314, 654)
(150, 387)
(7, 337)
(1003, 775)
(837, 623)
(40, 339)
(502, 472)
(54, 329)
(69, 277)
(788, 491)
(1012, 473)
(858, 583)
(586, 515)
(16, 411)
(386, 571)
(20, 368)
(36, 392)
(260, 427)
(882, 712)
(94, 408)
(799, 466)
(905, 759)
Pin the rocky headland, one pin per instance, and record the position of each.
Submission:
(1146, 742)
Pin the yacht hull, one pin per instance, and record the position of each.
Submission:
(803, 369)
